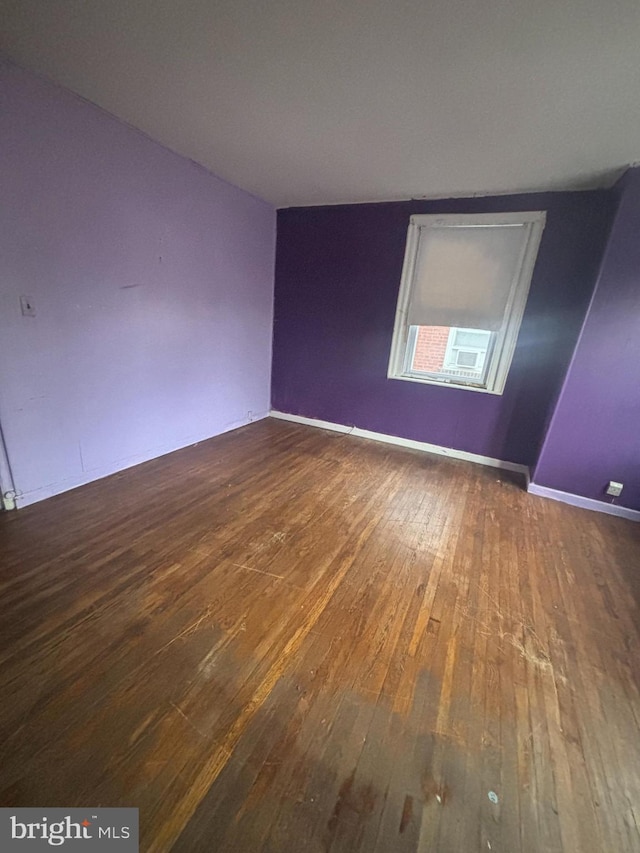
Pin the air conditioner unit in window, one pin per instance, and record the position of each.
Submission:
(467, 359)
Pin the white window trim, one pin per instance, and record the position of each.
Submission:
(506, 338)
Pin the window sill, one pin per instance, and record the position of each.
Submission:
(440, 384)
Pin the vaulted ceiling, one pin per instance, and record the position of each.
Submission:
(324, 101)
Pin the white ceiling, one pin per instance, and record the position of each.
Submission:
(323, 101)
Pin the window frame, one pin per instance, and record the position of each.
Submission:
(501, 352)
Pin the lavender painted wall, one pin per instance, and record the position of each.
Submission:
(594, 435)
(153, 286)
(337, 278)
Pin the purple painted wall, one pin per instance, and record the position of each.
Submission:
(337, 279)
(594, 436)
(153, 287)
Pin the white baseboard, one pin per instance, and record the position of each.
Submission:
(24, 499)
(583, 503)
(405, 442)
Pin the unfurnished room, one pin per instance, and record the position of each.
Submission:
(320, 426)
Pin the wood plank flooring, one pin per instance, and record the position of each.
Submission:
(285, 639)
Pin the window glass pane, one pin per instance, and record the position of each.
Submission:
(429, 349)
(467, 338)
(450, 354)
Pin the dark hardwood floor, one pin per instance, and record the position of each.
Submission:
(285, 639)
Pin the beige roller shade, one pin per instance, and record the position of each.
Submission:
(464, 275)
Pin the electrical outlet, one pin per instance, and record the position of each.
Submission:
(27, 307)
(614, 489)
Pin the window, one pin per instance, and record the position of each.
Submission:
(465, 282)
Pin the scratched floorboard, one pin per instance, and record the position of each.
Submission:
(285, 639)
